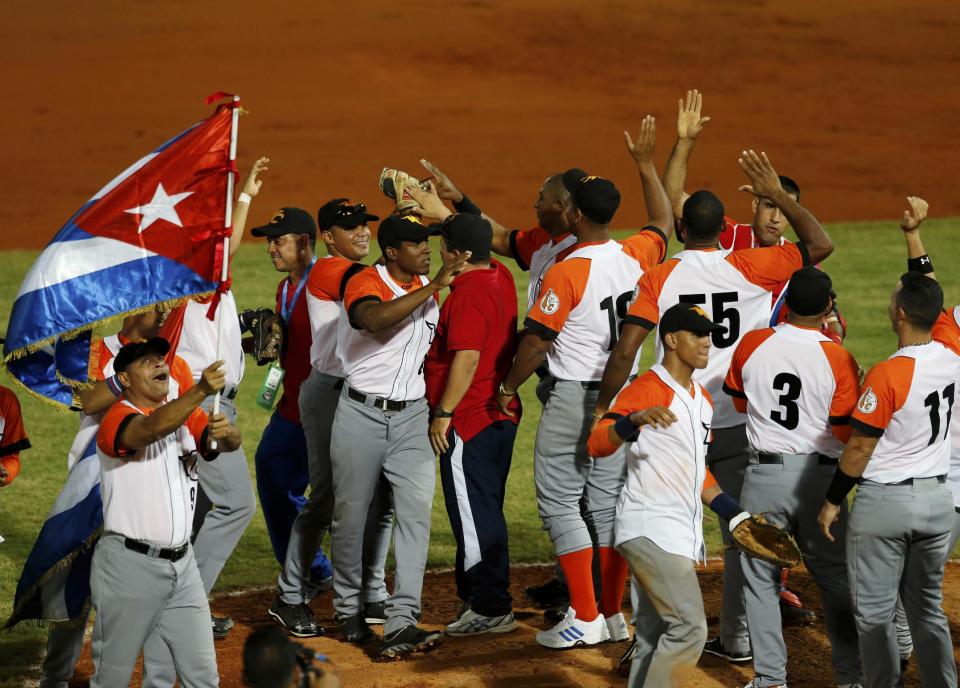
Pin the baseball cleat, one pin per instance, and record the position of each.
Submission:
(796, 616)
(408, 640)
(573, 632)
(375, 613)
(471, 623)
(354, 629)
(221, 626)
(715, 647)
(297, 619)
(626, 659)
(752, 685)
(551, 594)
(617, 628)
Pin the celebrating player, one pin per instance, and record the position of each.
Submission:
(797, 388)
(735, 288)
(13, 438)
(900, 455)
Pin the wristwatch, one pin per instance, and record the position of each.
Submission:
(438, 412)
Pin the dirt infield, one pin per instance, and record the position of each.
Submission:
(514, 660)
(857, 101)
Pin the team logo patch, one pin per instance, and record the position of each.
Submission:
(277, 216)
(550, 302)
(697, 309)
(868, 401)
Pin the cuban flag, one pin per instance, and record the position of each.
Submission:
(152, 235)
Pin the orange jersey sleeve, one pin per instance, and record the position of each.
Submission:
(770, 266)
(113, 423)
(884, 392)
(562, 289)
(197, 424)
(846, 377)
(947, 329)
(13, 436)
(328, 277)
(733, 383)
(366, 285)
(180, 371)
(646, 391)
(523, 243)
(645, 311)
(648, 246)
(708, 481)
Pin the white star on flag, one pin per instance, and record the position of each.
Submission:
(160, 207)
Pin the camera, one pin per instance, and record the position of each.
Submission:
(306, 659)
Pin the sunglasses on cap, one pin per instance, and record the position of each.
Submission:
(350, 210)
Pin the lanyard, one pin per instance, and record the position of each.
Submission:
(286, 312)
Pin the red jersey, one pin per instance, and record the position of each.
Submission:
(13, 437)
(736, 236)
(295, 356)
(480, 314)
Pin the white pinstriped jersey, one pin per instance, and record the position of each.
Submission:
(389, 363)
(947, 332)
(798, 388)
(325, 306)
(907, 402)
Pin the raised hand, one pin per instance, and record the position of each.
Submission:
(642, 150)
(689, 121)
(446, 189)
(252, 185)
(429, 205)
(213, 378)
(452, 269)
(763, 178)
(655, 416)
(914, 217)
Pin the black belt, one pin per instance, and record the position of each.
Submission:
(377, 402)
(173, 554)
(591, 386)
(911, 481)
(769, 458)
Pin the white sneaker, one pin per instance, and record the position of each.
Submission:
(574, 632)
(471, 623)
(617, 628)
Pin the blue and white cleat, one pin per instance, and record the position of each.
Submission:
(573, 632)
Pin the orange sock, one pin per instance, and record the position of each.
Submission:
(613, 576)
(577, 568)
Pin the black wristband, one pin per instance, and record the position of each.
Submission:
(923, 265)
(626, 429)
(439, 412)
(465, 205)
(840, 487)
(724, 506)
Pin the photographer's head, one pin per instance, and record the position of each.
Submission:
(269, 659)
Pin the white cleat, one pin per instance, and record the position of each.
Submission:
(573, 632)
(617, 628)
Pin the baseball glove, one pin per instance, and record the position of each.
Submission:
(762, 540)
(392, 184)
(267, 331)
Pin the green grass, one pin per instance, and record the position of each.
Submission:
(867, 262)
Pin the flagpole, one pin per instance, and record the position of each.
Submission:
(227, 221)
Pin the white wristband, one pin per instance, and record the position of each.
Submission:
(738, 519)
(244, 198)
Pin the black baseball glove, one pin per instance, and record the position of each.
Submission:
(267, 331)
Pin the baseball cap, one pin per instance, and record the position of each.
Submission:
(287, 221)
(341, 213)
(687, 317)
(809, 291)
(397, 228)
(468, 232)
(596, 197)
(136, 350)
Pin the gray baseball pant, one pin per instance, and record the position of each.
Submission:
(226, 481)
(897, 540)
(727, 458)
(565, 473)
(63, 651)
(135, 596)
(319, 396)
(790, 495)
(367, 443)
(671, 625)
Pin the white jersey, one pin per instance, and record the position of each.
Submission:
(799, 388)
(666, 467)
(387, 364)
(907, 402)
(542, 260)
(735, 290)
(198, 340)
(325, 304)
(583, 301)
(150, 494)
(947, 332)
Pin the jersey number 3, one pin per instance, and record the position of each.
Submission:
(789, 385)
(933, 403)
